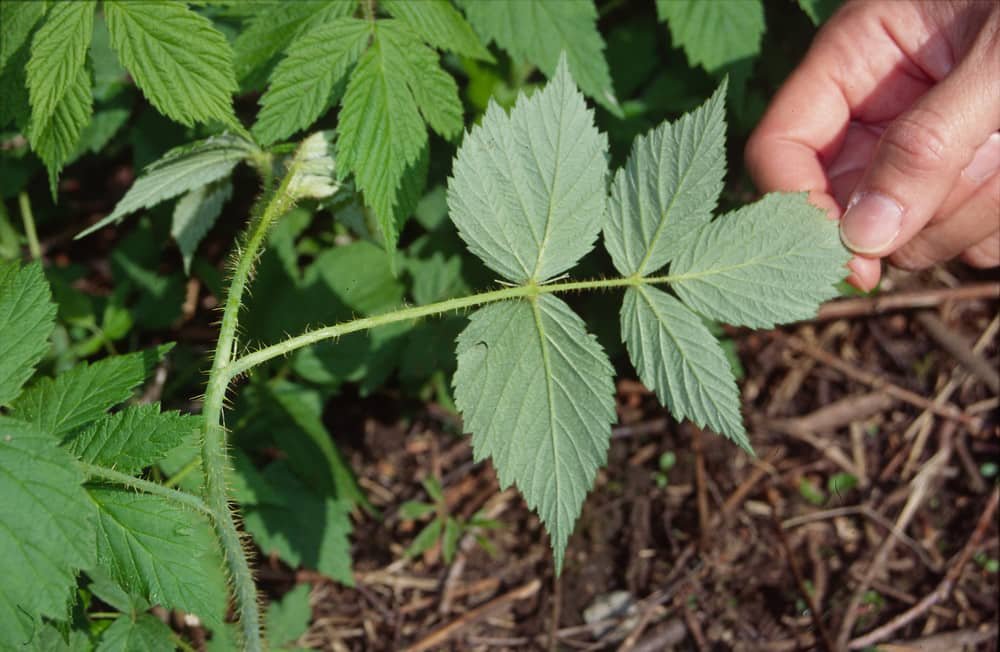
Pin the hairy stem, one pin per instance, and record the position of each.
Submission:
(93, 471)
(214, 456)
(244, 363)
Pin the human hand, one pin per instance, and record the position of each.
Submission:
(891, 123)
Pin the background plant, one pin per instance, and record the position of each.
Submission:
(59, 58)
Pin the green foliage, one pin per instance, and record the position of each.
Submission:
(538, 31)
(147, 633)
(26, 320)
(181, 170)
(714, 34)
(46, 529)
(179, 60)
(160, 551)
(104, 494)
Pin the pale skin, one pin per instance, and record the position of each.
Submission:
(891, 124)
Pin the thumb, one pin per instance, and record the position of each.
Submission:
(920, 157)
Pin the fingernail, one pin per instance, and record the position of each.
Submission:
(870, 223)
(985, 162)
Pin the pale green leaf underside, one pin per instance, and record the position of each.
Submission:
(717, 33)
(147, 633)
(78, 396)
(181, 170)
(539, 30)
(771, 262)
(27, 317)
(164, 552)
(183, 65)
(302, 82)
(46, 529)
(381, 131)
(275, 25)
(132, 439)
(537, 393)
(667, 189)
(678, 358)
(440, 24)
(528, 190)
(195, 213)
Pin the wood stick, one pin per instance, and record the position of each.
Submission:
(442, 634)
(881, 304)
(946, 410)
(959, 348)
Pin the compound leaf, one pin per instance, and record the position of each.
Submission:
(539, 30)
(381, 132)
(439, 24)
(166, 553)
(771, 262)
(183, 65)
(677, 356)
(528, 189)
(302, 82)
(717, 33)
(667, 189)
(537, 393)
(147, 633)
(78, 396)
(180, 170)
(194, 215)
(46, 529)
(27, 317)
(58, 83)
(132, 439)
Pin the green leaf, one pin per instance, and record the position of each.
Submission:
(180, 170)
(147, 633)
(714, 34)
(183, 65)
(132, 439)
(667, 189)
(194, 215)
(301, 84)
(18, 19)
(819, 11)
(313, 534)
(425, 540)
(27, 317)
(415, 510)
(274, 26)
(528, 189)
(537, 393)
(166, 553)
(381, 132)
(771, 262)
(539, 30)
(46, 529)
(678, 357)
(288, 619)
(449, 542)
(58, 83)
(439, 24)
(78, 396)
